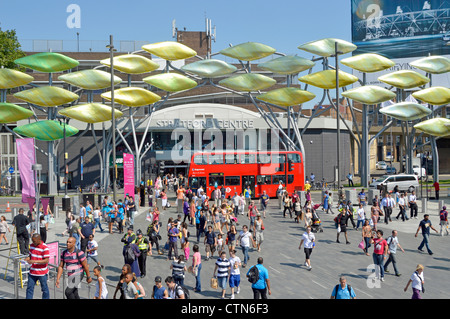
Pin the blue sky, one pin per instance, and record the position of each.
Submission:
(283, 25)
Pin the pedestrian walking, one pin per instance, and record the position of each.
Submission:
(76, 265)
(262, 285)
(258, 231)
(341, 225)
(417, 282)
(297, 205)
(402, 207)
(101, 291)
(235, 274)
(361, 216)
(196, 268)
(287, 205)
(92, 251)
(443, 221)
(38, 258)
(173, 235)
(126, 269)
(244, 239)
(367, 236)
(362, 197)
(3, 228)
(210, 242)
(375, 213)
(86, 229)
(350, 180)
(308, 241)
(413, 205)
(326, 202)
(343, 290)
(264, 202)
(174, 289)
(222, 272)
(129, 289)
(393, 244)
(425, 226)
(179, 268)
(380, 250)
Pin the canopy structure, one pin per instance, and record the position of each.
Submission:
(60, 104)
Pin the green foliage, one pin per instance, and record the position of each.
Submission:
(10, 50)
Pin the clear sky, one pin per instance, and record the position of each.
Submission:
(283, 25)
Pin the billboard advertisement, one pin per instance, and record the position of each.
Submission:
(401, 28)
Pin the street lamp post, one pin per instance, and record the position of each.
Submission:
(338, 129)
(113, 118)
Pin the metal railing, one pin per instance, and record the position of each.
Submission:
(20, 278)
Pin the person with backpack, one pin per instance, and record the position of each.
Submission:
(75, 262)
(393, 243)
(131, 254)
(175, 290)
(343, 291)
(258, 276)
(443, 221)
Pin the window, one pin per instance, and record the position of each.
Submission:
(294, 157)
(232, 180)
(278, 158)
(200, 159)
(216, 159)
(263, 158)
(231, 159)
(263, 180)
(290, 179)
(277, 178)
(248, 159)
(216, 178)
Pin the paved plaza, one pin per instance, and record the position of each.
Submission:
(289, 278)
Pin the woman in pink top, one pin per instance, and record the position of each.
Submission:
(196, 267)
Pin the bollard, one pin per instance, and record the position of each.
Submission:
(14, 213)
(424, 205)
(180, 206)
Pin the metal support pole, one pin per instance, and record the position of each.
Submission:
(113, 118)
(338, 135)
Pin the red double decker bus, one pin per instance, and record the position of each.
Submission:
(235, 171)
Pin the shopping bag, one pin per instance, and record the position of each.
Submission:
(214, 283)
(361, 244)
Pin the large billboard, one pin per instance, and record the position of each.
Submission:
(401, 28)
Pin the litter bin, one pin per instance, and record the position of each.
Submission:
(65, 203)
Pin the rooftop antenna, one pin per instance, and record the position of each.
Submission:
(174, 28)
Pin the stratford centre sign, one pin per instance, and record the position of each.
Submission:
(205, 123)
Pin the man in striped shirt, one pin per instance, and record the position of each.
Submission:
(38, 258)
(223, 269)
(75, 261)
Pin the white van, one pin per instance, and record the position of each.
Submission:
(405, 182)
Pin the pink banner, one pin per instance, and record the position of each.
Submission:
(26, 157)
(128, 174)
(31, 201)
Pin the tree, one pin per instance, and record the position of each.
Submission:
(10, 49)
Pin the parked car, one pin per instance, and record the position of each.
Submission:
(391, 170)
(405, 182)
(381, 165)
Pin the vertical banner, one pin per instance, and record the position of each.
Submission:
(26, 157)
(128, 174)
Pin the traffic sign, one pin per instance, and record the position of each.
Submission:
(11, 170)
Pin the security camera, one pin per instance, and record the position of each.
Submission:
(310, 142)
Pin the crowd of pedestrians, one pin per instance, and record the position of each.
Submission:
(224, 231)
